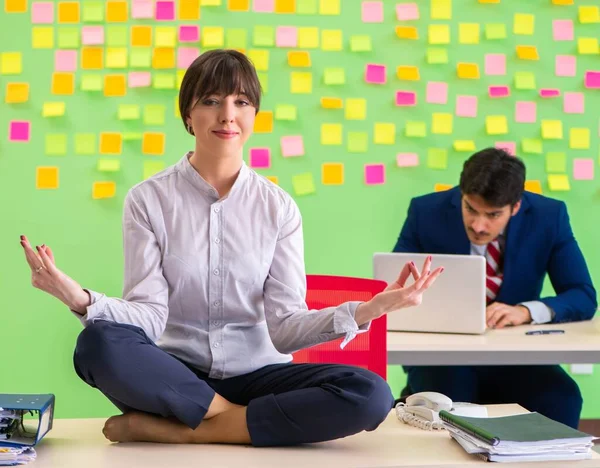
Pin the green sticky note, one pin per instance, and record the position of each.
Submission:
(93, 12)
(556, 162)
(236, 38)
(437, 55)
(437, 158)
(532, 145)
(163, 81)
(358, 142)
(91, 82)
(154, 114)
(129, 112)
(286, 112)
(132, 136)
(263, 79)
(360, 43)
(140, 57)
(263, 36)
(152, 167)
(56, 144)
(68, 37)
(85, 143)
(303, 184)
(415, 129)
(335, 76)
(524, 80)
(306, 7)
(495, 31)
(109, 165)
(116, 36)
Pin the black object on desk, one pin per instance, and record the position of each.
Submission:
(545, 332)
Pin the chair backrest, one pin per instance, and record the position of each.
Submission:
(369, 349)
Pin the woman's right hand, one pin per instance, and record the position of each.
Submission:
(48, 278)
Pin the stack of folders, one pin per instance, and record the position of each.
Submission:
(522, 437)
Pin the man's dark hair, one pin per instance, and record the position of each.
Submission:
(495, 176)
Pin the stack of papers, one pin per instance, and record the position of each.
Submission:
(522, 437)
(16, 455)
(11, 430)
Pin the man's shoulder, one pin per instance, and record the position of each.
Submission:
(543, 204)
(431, 200)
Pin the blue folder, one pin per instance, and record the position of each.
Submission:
(41, 407)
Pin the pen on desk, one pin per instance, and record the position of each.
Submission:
(545, 332)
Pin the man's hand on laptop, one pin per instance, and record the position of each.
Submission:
(499, 315)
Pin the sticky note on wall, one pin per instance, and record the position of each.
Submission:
(102, 190)
(384, 133)
(332, 173)
(46, 178)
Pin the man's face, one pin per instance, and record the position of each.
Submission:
(484, 222)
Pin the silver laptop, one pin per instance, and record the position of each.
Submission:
(455, 303)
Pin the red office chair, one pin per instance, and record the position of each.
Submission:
(367, 349)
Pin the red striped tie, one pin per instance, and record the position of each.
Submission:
(494, 277)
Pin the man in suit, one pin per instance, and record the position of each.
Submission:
(523, 236)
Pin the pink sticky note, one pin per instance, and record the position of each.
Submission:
(260, 158)
(437, 92)
(142, 9)
(139, 79)
(549, 93)
(189, 33)
(165, 10)
(562, 30)
(566, 65)
(65, 60)
(592, 79)
(286, 36)
(583, 169)
(466, 106)
(263, 6)
(374, 174)
(292, 145)
(499, 91)
(185, 56)
(495, 64)
(407, 11)
(509, 146)
(19, 130)
(372, 12)
(92, 35)
(573, 103)
(375, 73)
(407, 159)
(525, 112)
(42, 12)
(406, 98)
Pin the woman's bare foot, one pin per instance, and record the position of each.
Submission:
(144, 427)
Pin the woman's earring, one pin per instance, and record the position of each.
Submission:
(190, 130)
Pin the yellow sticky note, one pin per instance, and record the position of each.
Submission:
(153, 143)
(332, 173)
(524, 24)
(141, 36)
(332, 39)
(111, 143)
(16, 93)
(468, 71)
(563, 2)
(46, 177)
(116, 11)
(15, 6)
(331, 134)
(68, 12)
(439, 34)
(496, 125)
(238, 5)
(384, 133)
(441, 187)
(166, 36)
(441, 123)
(11, 63)
(552, 130)
(92, 58)
(587, 46)
(189, 10)
(408, 72)
(441, 9)
(579, 138)
(533, 186)
(116, 57)
(163, 57)
(468, 33)
(527, 52)
(329, 7)
(102, 190)
(308, 38)
(273, 179)
(263, 122)
(464, 145)
(589, 14)
(53, 109)
(115, 85)
(42, 37)
(63, 83)
(407, 32)
(559, 183)
(301, 82)
(356, 109)
(298, 58)
(331, 103)
(260, 59)
(285, 6)
(212, 36)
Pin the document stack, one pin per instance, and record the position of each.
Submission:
(522, 437)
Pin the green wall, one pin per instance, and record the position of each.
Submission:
(343, 224)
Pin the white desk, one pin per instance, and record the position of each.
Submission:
(579, 344)
(77, 443)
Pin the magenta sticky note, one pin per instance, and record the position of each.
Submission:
(565, 65)
(185, 56)
(165, 10)
(374, 174)
(592, 79)
(406, 98)
(139, 79)
(286, 36)
(509, 146)
(372, 12)
(19, 130)
(525, 112)
(562, 30)
(92, 35)
(437, 92)
(263, 6)
(42, 12)
(495, 64)
(573, 103)
(466, 106)
(407, 11)
(260, 158)
(498, 91)
(375, 74)
(407, 159)
(189, 33)
(142, 9)
(583, 169)
(292, 145)
(549, 92)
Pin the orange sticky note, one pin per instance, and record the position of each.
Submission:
(15, 6)
(116, 11)
(163, 57)
(407, 32)
(273, 179)
(331, 103)
(103, 190)
(111, 143)
(534, 186)
(63, 83)
(298, 59)
(563, 2)
(238, 5)
(408, 72)
(189, 9)
(441, 187)
(153, 143)
(332, 173)
(285, 6)
(527, 52)
(468, 71)
(115, 85)
(92, 58)
(46, 177)
(141, 36)
(16, 93)
(68, 12)
(263, 122)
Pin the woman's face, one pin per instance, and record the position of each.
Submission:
(222, 124)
